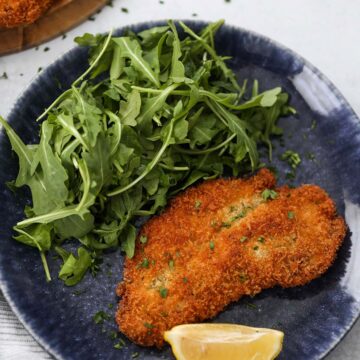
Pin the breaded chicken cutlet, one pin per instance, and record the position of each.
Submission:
(21, 12)
(219, 241)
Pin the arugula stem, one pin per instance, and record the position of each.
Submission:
(45, 265)
(143, 213)
(206, 151)
(117, 122)
(174, 168)
(51, 216)
(84, 172)
(159, 91)
(42, 253)
(213, 96)
(57, 100)
(106, 44)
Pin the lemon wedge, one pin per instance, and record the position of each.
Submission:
(223, 342)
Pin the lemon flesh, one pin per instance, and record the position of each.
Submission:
(224, 342)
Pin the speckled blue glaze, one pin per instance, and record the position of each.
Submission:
(314, 317)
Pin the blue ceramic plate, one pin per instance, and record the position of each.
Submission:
(314, 317)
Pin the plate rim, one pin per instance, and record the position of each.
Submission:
(146, 24)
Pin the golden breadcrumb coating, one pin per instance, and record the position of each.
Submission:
(21, 12)
(219, 241)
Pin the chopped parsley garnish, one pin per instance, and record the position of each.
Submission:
(135, 355)
(110, 306)
(310, 156)
(161, 2)
(194, 14)
(79, 292)
(252, 306)
(163, 292)
(243, 278)
(197, 204)
(46, 49)
(292, 158)
(240, 215)
(313, 125)
(274, 171)
(144, 263)
(4, 76)
(261, 239)
(120, 344)
(213, 223)
(225, 224)
(269, 194)
(256, 247)
(143, 239)
(243, 239)
(291, 214)
(113, 335)
(124, 10)
(64, 36)
(100, 317)
(148, 325)
(185, 280)
(171, 264)
(290, 175)
(95, 263)
(212, 245)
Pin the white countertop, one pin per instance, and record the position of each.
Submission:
(325, 32)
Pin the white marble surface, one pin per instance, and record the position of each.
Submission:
(323, 31)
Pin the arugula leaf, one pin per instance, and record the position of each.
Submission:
(117, 64)
(151, 37)
(131, 49)
(99, 165)
(238, 127)
(24, 153)
(42, 203)
(177, 68)
(203, 131)
(74, 226)
(130, 109)
(128, 240)
(54, 174)
(154, 104)
(67, 122)
(36, 235)
(74, 268)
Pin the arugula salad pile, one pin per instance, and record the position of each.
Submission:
(152, 115)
